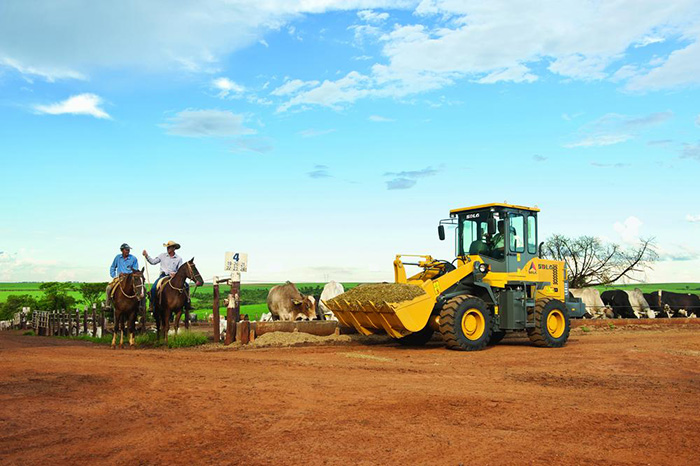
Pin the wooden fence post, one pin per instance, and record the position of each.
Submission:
(215, 311)
(243, 332)
(85, 320)
(77, 322)
(94, 320)
(102, 321)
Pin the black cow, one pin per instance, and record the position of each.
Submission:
(655, 304)
(680, 301)
(619, 301)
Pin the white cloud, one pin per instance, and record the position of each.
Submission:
(628, 230)
(227, 87)
(516, 74)
(380, 119)
(648, 40)
(681, 69)
(264, 43)
(81, 104)
(614, 128)
(70, 41)
(292, 86)
(692, 218)
(206, 123)
(691, 151)
(499, 40)
(599, 140)
(408, 179)
(371, 16)
(312, 133)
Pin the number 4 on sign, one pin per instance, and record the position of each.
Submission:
(236, 262)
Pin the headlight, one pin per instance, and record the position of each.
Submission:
(483, 268)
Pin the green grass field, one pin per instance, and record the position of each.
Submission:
(255, 310)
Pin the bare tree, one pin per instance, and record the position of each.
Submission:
(591, 262)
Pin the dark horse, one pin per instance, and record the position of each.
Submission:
(172, 297)
(127, 296)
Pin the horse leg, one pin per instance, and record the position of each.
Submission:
(187, 319)
(121, 336)
(177, 321)
(114, 333)
(132, 329)
(166, 326)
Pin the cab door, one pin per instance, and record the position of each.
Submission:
(516, 247)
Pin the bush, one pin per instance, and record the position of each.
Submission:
(14, 304)
(56, 296)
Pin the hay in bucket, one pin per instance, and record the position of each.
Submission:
(381, 292)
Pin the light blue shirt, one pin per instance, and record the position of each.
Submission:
(121, 265)
(168, 264)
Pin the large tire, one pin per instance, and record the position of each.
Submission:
(552, 324)
(496, 337)
(419, 338)
(466, 323)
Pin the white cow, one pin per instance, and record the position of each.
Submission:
(330, 291)
(594, 305)
(639, 304)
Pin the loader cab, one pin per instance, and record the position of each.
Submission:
(503, 235)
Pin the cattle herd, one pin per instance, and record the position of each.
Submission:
(285, 302)
(633, 304)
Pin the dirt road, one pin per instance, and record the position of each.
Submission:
(608, 397)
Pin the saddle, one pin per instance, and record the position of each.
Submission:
(114, 285)
(161, 284)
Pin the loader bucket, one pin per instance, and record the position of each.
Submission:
(395, 318)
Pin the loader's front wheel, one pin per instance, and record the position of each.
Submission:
(418, 338)
(552, 324)
(465, 323)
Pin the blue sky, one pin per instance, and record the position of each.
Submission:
(323, 137)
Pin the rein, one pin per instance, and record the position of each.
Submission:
(191, 276)
(121, 288)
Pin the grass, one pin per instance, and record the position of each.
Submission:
(254, 311)
(103, 340)
(585, 329)
(32, 288)
(183, 339)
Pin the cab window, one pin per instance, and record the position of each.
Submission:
(531, 234)
(517, 233)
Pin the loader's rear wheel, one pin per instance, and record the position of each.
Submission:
(497, 336)
(552, 324)
(418, 338)
(465, 323)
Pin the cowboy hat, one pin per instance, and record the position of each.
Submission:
(171, 243)
(124, 246)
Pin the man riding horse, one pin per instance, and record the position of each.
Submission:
(170, 263)
(122, 265)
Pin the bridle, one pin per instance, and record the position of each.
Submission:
(138, 289)
(192, 276)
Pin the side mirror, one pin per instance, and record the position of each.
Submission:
(491, 225)
(540, 248)
(441, 232)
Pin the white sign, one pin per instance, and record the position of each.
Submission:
(236, 262)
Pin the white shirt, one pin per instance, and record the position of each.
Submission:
(168, 264)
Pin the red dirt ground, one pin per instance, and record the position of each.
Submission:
(608, 397)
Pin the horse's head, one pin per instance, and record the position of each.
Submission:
(193, 274)
(138, 282)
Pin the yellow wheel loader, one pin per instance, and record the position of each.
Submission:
(496, 284)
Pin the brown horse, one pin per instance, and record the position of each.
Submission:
(127, 296)
(172, 297)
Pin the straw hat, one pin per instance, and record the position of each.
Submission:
(171, 243)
